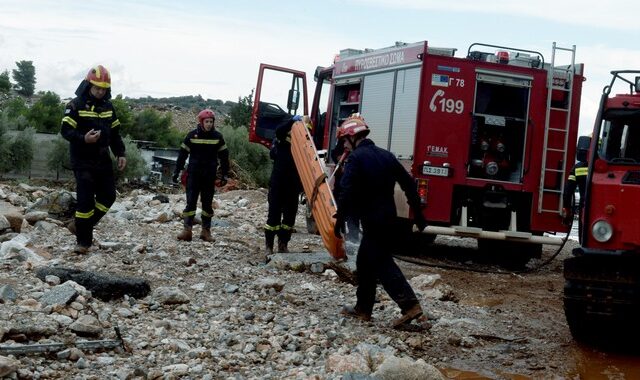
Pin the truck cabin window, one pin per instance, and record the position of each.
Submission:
(620, 138)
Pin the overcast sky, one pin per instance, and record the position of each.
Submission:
(213, 48)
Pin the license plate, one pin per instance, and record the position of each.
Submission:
(438, 171)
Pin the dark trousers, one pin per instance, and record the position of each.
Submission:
(201, 185)
(96, 192)
(375, 262)
(283, 207)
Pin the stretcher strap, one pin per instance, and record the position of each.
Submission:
(316, 187)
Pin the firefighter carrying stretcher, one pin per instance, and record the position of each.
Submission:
(366, 192)
(284, 190)
(204, 146)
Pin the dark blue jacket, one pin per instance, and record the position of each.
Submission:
(203, 149)
(367, 186)
(284, 174)
(83, 114)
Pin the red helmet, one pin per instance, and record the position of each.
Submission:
(206, 114)
(353, 126)
(99, 76)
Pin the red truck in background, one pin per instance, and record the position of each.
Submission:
(602, 280)
(488, 136)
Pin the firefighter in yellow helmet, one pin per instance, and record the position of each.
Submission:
(92, 128)
(367, 193)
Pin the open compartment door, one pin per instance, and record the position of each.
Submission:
(280, 94)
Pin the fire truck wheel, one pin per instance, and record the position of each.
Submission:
(601, 299)
(575, 312)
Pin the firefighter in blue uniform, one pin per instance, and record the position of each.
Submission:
(92, 128)
(204, 146)
(339, 156)
(284, 190)
(367, 192)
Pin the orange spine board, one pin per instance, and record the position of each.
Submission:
(310, 170)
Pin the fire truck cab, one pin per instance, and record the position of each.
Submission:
(602, 280)
(486, 136)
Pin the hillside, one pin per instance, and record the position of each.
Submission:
(183, 109)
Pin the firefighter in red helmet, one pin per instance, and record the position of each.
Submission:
(92, 128)
(367, 192)
(204, 146)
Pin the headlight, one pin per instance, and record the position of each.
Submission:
(602, 231)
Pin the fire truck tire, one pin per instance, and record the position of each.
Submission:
(602, 299)
(575, 315)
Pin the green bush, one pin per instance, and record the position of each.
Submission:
(150, 125)
(136, 167)
(16, 107)
(45, 114)
(123, 112)
(240, 114)
(59, 158)
(21, 150)
(5, 83)
(252, 159)
(5, 153)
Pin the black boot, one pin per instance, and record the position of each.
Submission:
(282, 247)
(269, 238)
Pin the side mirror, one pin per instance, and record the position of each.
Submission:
(637, 85)
(584, 142)
(293, 100)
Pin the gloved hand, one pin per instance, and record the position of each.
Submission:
(296, 118)
(174, 179)
(221, 181)
(567, 216)
(339, 229)
(420, 221)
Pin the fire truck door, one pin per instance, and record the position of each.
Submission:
(280, 94)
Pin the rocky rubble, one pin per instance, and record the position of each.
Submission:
(214, 310)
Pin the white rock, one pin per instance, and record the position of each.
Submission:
(4, 223)
(8, 366)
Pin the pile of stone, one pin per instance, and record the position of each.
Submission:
(143, 305)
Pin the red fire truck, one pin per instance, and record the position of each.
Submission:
(602, 288)
(486, 136)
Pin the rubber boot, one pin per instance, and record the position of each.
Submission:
(206, 235)
(269, 238)
(282, 247)
(186, 234)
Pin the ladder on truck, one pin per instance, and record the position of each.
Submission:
(567, 73)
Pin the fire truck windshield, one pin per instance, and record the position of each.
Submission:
(620, 137)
